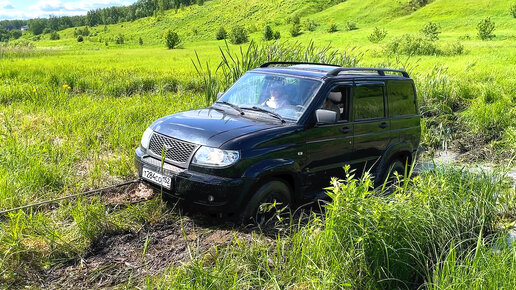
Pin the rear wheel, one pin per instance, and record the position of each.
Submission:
(271, 199)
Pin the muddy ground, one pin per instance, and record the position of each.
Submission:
(118, 258)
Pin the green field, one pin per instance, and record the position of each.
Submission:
(71, 114)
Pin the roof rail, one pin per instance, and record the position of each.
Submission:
(380, 71)
(267, 64)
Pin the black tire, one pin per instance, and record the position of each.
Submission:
(389, 171)
(272, 191)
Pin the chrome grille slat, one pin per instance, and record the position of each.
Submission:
(178, 151)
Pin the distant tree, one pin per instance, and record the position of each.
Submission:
(221, 34)
(4, 34)
(238, 35)
(54, 35)
(200, 2)
(277, 35)
(140, 41)
(377, 35)
(106, 43)
(485, 29)
(85, 31)
(36, 26)
(268, 34)
(295, 30)
(16, 33)
(80, 38)
(119, 39)
(431, 31)
(513, 10)
(333, 27)
(172, 39)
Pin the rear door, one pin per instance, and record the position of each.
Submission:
(403, 111)
(372, 127)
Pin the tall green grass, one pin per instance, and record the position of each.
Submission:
(366, 240)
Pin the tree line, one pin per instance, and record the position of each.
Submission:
(101, 16)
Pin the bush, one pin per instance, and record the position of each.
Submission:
(268, 34)
(295, 30)
(351, 26)
(310, 25)
(412, 45)
(416, 4)
(333, 27)
(140, 41)
(295, 19)
(277, 35)
(513, 10)
(119, 39)
(80, 38)
(221, 34)
(377, 35)
(238, 35)
(454, 48)
(172, 39)
(485, 29)
(54, 36)
(431, 31)
(200, 2)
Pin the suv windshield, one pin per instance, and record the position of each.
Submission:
(286, 96)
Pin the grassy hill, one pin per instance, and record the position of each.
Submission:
(72, 113)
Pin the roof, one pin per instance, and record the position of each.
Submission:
(322, 71)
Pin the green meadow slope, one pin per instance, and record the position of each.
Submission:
(72, 113)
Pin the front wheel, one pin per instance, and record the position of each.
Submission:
(271, 200)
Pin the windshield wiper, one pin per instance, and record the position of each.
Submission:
(237, 108)
(271, 113)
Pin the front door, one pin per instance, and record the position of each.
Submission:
(330, 146)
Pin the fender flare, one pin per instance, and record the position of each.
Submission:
(271, 168)
(393, 150)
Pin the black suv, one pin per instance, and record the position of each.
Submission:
(280, 133)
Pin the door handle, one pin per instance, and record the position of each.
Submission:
(345, 130)
(383, 125)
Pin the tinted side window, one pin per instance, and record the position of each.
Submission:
(401, 98)
(368, 102)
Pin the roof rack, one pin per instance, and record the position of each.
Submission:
(267, 64)
(380, 71)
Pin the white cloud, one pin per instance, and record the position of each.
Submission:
(44, 8)
(6, 5)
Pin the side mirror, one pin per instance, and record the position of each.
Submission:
(326, 116)
(220, 94)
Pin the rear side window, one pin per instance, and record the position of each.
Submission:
(401, 98)
(368, 102)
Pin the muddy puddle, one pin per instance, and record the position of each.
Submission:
(117, 258)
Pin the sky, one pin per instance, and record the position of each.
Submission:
(25, 9)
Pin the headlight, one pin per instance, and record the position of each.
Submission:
(146, 138)
(214, 157)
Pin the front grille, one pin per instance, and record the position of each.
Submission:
(176, 151)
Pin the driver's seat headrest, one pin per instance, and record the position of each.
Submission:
(335, 97)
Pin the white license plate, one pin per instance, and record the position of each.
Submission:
(157, 178)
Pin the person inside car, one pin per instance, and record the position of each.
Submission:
(277, 97)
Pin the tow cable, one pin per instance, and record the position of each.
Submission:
(86, 193)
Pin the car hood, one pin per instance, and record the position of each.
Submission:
(208, 126)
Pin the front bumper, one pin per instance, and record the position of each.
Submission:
(229, 194)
